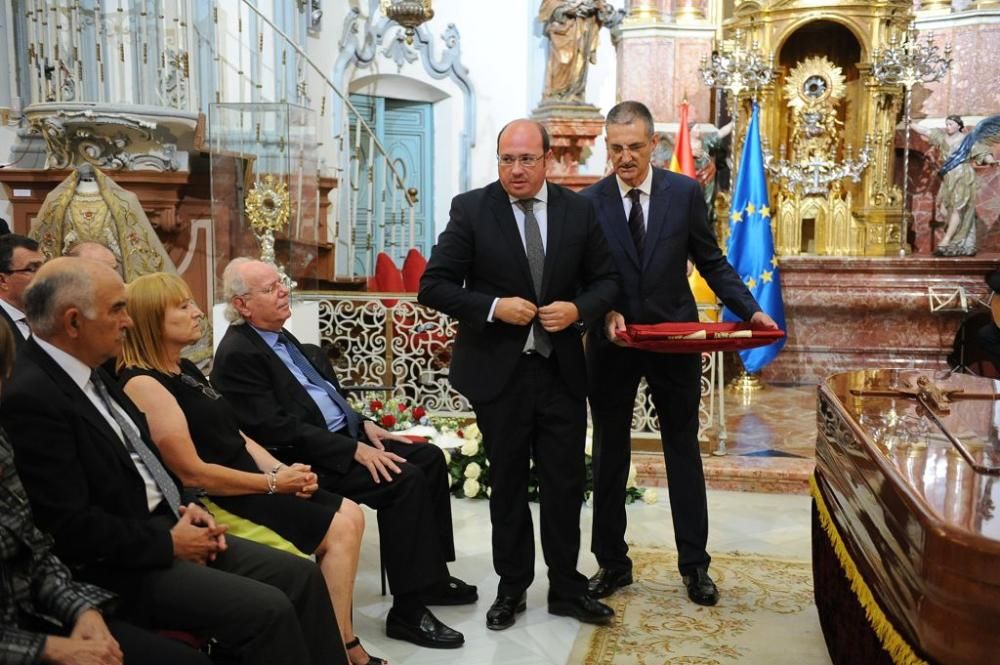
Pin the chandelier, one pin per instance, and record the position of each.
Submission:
(735, 68)
(815, 175)
(408, 13)
(909, 62)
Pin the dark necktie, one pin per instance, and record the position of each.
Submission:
(134, 442)
(536, 263)
(636, 221)
(314, 377)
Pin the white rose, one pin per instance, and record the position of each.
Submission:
(470, 447)
(470, 488)
(472, 471)
(472, 431)
(650, 496)
(590, 501)
(447, 456)
(632, 473)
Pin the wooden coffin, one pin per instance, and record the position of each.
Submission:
(913, 493)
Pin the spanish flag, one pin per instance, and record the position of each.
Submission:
(682, 162)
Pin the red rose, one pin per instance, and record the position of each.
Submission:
(460, 434)
(419, 412)
(375, 405)
(401, 407)
(388, 420)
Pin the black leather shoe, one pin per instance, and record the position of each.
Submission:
(606, 581)
(452, 592)
(503, 611)
(700, 587)
(583, 608)
(424, 629)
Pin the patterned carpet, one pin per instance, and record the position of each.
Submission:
(766, 615)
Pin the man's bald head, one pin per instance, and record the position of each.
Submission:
(78, 305)
(95, 251)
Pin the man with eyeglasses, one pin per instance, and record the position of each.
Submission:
(520, 264)
(654, 221)
(286, 401)
(19, 261)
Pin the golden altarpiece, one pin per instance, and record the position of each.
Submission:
(828, 127)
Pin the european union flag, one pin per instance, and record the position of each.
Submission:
(751, 245)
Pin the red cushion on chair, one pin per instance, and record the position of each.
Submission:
(413, 270)
(696, 337)
(388, 279)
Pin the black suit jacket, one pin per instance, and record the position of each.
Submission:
(18, 337)
(654, 286)
(480, 256)
(270, 404)
(83, 486)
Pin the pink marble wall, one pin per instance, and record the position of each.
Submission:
(972, 85)
(647, 83)
(664, 86)
(850, 313)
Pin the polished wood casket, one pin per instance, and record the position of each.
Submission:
(911, 494)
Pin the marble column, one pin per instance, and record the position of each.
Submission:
(642, 12)
(689, 11)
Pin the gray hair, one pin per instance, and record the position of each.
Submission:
(50, 295)
(625, 113)
(234, 285)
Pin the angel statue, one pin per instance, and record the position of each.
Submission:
(956, 199)
(573, 28)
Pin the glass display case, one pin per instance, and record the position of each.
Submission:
(266, 188)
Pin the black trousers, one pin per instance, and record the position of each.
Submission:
(535, 418)
(263, 605)
(414, 514)
(674, 380)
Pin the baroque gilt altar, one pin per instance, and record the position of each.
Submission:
(829, 127)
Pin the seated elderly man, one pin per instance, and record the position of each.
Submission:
(284, 401)
(97, 484)
(46, 616)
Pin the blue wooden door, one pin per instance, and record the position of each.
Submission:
(406, 130)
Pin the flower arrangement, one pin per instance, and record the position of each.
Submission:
(394, 414)
(469, 468)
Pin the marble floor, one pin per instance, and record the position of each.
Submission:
(770, 524)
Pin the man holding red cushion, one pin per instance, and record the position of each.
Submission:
(654, 221)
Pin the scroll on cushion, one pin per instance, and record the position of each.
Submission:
(696, 337)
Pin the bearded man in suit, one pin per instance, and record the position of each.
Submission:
(520, 264)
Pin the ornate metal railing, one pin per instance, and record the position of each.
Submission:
(390, 339)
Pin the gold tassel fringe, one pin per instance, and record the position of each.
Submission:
(894, 643)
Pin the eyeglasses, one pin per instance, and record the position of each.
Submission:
(616, 149)
(30, 268)
(265, 291)
(206, 390)
(527, 161)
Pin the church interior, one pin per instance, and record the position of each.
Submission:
(329, 137)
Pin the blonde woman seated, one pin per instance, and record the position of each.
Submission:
(200, 441)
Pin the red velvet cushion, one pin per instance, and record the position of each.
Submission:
(388, 279)
(696, 337)
(413, 270)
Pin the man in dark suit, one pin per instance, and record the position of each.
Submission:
(19, 261)
(284, 401)
(97, 484)
(654, 221)
(519, 265)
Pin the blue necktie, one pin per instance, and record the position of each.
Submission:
(314, 377)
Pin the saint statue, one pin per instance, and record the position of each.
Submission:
(956, 199)
(89, 207)
(573, 28)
